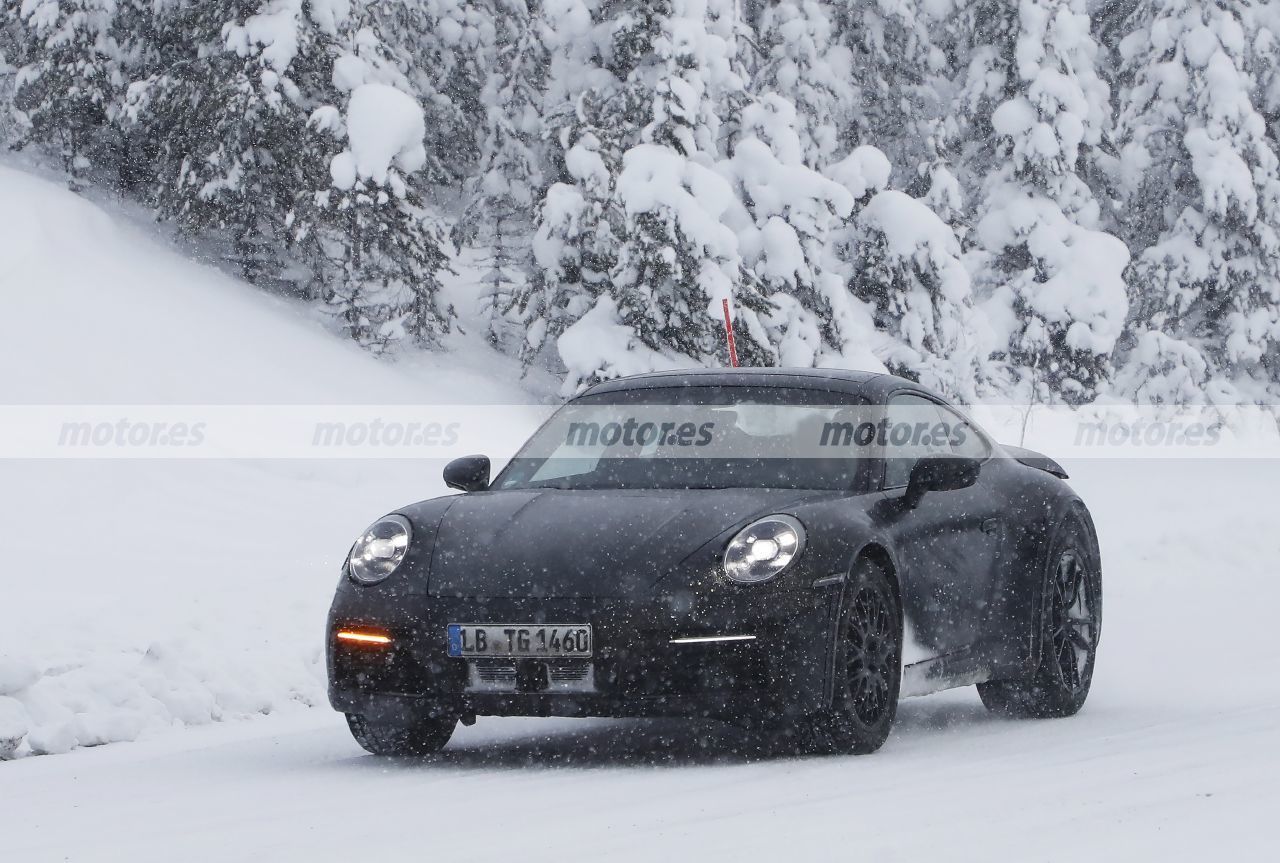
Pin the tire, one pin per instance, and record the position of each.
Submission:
(1070, 622)
(868, 668)
(426, 736)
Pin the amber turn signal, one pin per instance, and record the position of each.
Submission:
(358, 637)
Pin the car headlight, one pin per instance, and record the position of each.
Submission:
(763, 549)
(379, 550)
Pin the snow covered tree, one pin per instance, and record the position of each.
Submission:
(1053, 282)
(718, 198)
(503, 194)
(588, 123)
(1263, 21)
(908, 266)
(503, 251)
(69, 84)
(239, 119)
(442, 48)
(785, 223)
(1162, 369)
(646, 198)
(869, 74)
(901, 82)
(221, 120)
(579, 229)
(10, 38)
(384, 251)
(1197, 160)
(623, 166)
(680, 261)
(807, 65)
(411, 75)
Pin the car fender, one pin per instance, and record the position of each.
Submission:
(1034, 543)
(845, 533)
(1071, 515)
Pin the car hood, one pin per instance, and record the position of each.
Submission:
(550, 542)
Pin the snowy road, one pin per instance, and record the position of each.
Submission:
(1174, 757)
(1126, 780)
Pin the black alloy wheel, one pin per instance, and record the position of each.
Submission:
(1070, 627)
(868, 668)
(871, 653)
(1072, 622)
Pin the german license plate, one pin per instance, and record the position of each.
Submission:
(519, 640)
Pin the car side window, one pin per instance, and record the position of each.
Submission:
(910, 434)
(966, 441)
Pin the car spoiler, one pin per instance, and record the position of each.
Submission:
(1031, 458)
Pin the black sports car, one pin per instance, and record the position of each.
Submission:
(788, 550)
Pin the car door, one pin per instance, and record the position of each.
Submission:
(949, 544)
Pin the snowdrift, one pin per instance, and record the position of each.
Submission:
(139, 595)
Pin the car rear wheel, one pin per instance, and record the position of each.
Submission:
(868, 667)
(1070, 624)
(424, 736)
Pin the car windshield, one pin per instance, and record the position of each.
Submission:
(693, 438)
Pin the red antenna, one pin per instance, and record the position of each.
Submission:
(728, 331)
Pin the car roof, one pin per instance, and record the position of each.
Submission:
(874, 386)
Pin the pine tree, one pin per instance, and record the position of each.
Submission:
(503, 195)
(1197, 159)
(382, 251)
(624, 165)
(71, 77)
(789, 216)
(1262, 19)
(679, 260)
(11, 30)
(798, 124)
(440, 52)
(1032, 76)
(901, 80)
(807, 65)
(580, 223)
(242, 122)
(386, 256)
(506, 257)
(632, 237)
(589, 120)
(220, 119)
(883, 83)
(908, 266)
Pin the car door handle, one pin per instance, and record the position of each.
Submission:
(990, 525)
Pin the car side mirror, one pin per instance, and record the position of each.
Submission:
(469, 473)
(940, 473)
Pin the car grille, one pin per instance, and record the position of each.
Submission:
(486, 675)
(492, 677)
(568, 672)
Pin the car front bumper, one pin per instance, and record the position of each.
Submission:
(638, 668)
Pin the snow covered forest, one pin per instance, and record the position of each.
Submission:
(1030, 200)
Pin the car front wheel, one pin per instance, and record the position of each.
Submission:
(868, 667)
(423, 736)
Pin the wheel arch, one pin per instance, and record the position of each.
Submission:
(879, 553)
(873, 550)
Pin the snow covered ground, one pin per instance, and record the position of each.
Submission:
(141, 598)
(139, 595)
